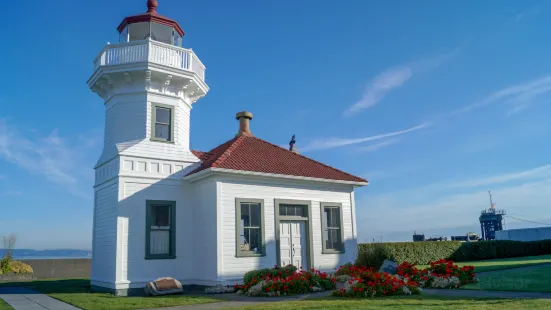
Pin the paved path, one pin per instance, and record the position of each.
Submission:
(20, 298)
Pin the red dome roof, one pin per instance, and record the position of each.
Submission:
(151, 16)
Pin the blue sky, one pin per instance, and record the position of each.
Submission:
(434, 102)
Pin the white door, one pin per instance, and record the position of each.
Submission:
(292, 246)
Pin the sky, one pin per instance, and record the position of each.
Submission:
(434, 102)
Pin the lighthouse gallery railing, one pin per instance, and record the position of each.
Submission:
(150, 51)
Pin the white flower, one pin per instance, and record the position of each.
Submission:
(219, 289)
(440, 282)
(406, 290)
(317, 289)
(256, 290)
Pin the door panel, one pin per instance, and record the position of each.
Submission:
(293, 244)
(285, 243)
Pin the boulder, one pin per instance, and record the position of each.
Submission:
(389, 267)
(163, 286)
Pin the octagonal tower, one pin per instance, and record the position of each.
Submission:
(149, 84)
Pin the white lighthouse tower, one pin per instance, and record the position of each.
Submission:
(148, 83)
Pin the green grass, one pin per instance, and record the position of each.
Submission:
(411, 302)
(534, 279)
(77, 293)
(4, 305)
(505, 263)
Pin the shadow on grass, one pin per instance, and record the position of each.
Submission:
(70, 286)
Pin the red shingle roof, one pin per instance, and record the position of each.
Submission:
(248, 153)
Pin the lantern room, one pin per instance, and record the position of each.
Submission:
(150, 25)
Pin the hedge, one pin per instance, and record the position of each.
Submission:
(372, 254)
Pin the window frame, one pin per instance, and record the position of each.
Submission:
(238, 227)
(150, 204)
(323, 206)
(154, 107)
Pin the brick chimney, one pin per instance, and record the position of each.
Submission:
(244, 119)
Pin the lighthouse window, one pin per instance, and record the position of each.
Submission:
(162, 123)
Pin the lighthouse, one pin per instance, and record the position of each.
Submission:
(148, 83)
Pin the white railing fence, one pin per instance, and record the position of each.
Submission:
(150, 51)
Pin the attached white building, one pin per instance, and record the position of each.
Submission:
(204, 218)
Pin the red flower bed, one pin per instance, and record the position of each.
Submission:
(366, 282)
(286, 281)
(441, 274)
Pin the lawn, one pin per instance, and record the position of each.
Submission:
(505, 263)
(411, 302)
(77, 292)
(534, 279)
(4, 306)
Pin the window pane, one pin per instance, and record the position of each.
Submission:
(335, 217)
(245, 216)
(333, 239)
(327, 216)
(162, 131)
(255, 215)
(161, 216)
(253, 237)
(299, 211)
(282, 210)
(162, 115)
(159, 242)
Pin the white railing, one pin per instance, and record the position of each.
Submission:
(150, 51)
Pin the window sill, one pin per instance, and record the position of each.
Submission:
(161, 140)
(332, 252)
(249, 255)
(160, 257)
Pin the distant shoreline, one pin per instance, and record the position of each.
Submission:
(50, 257)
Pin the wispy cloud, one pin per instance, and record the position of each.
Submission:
(527, 13)
(542, 172)
(430, 207)
(394, 78)
(58, 159)
(516, 96)
(329, 143)
(377, 146)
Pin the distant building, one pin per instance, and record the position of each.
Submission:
(524, 234)
(491, 220)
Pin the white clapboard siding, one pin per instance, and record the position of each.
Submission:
(104, 247)
(234, 267)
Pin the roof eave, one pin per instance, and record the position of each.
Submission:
(210, 171)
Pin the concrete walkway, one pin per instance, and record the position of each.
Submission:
(20, 298)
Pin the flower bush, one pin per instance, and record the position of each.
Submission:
(285, 281)
(366, 282)
(441, 274)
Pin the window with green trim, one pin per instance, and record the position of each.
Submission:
(162, 123)
(249, 227)
(332, 230)
(160, 229)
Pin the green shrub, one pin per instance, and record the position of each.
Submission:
(5, 264)
(372, 255)
(421, 253)
(258, 274)
(20, 267)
